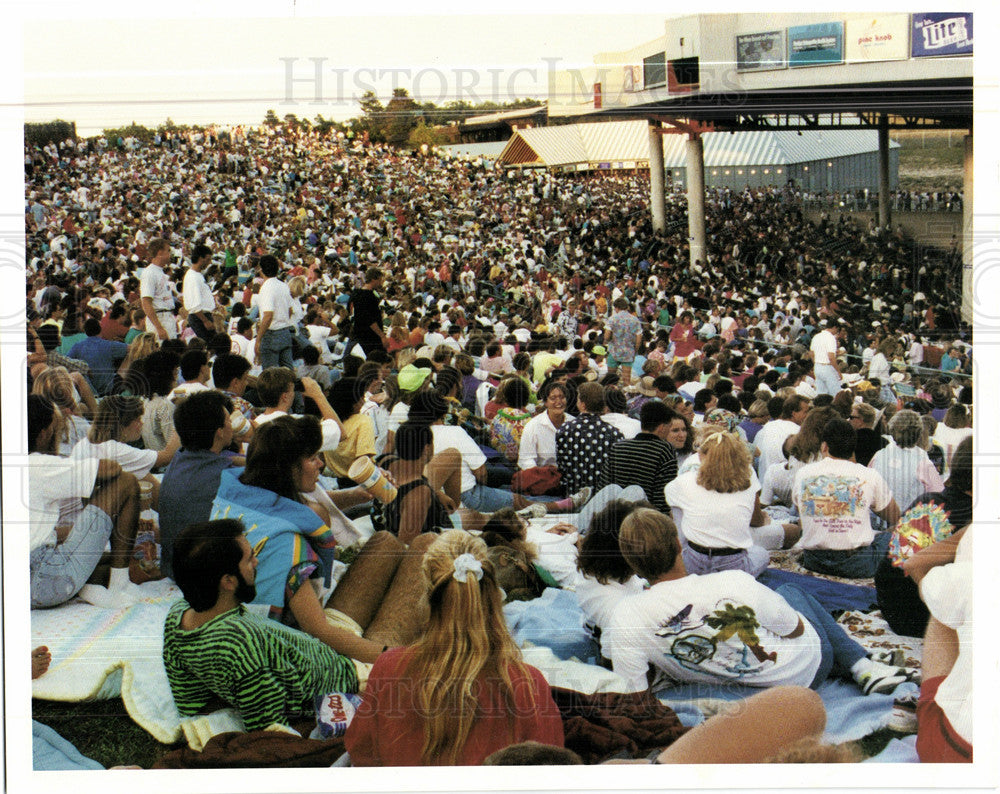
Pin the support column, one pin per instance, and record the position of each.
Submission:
(696, 197)
(967, 248)
(657, 191)
(883, 172)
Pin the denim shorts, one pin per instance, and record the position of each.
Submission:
(58, 572)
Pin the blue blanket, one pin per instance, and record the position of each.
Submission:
(832, 595)
(555, 621)
(51, 752)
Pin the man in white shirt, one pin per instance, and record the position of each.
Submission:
(155, 294)
(771, 436)
(725, 627)
(273, 347)
(834, 496)
(276, 388)
(199, 302)
(824, 353)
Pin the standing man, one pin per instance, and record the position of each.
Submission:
(568, 322)
(824, 353)
(154, 292)
(367, 313)
(273, 347)
(626, 337)
(199, 302)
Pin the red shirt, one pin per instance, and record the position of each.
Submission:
(388, 730)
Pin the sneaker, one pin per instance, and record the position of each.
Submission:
(581, 497)
(894, 658)
(101, 597)
(904, 714)
(534, 510)
(882, 679)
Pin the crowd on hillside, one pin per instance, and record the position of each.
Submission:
(260, 324)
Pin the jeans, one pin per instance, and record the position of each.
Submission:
(58, 572)
(486, 499)
(838, 652)
(827, 380)
(276, 349)
(850, 563)
(753, 560)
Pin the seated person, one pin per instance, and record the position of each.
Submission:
(75, 507)
(276, 389)
(213, 648)
(489, 697)
(192, 479)
(375, 604)
(944, 711)
(948, 510)
(507, 426)
(604, 577)
(833, 497)
(197, 373)
(725, 627)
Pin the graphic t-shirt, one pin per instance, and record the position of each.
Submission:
(834, 497)
(715, 628)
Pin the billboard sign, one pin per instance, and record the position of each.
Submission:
(941, 33)
(821, 44)
(758, 52)
(878, 38)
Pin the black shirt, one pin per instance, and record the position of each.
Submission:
(367, 310)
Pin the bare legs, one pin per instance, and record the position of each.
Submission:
(752, 730)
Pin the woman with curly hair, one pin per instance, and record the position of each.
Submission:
(461, 691)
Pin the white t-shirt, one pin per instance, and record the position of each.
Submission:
(947, 591)
(400, 413)
(598, 601)
(628, 426)
(708, 518)
(451, 437)
(154, 284)
(275, 297)
(197, 296)
(715, 628)
(135, 461)
(833, 497)
(331, 432)
(769, 440)
(56, 487)
(823, 344)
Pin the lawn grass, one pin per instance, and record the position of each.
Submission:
(930, 160)
(102, 730)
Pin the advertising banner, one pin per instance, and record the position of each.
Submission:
(941, 33)
(821, 44)
(757, 52)
(877, 38)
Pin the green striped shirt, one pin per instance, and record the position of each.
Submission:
(264, 669)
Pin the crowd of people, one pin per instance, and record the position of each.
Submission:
(268, 326)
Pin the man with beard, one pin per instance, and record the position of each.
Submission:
(214, 647)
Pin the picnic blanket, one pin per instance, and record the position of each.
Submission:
(98, 654)
(51, 752)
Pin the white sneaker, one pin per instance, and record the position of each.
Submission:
(534, 510)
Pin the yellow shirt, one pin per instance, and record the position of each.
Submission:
(358, 439)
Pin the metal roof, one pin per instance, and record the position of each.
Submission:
(629, 141)
(504, 115)
(490, 150)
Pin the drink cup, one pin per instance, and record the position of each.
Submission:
(366, 474)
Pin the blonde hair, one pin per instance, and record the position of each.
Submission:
(140, 347)
(725, 464)
(297, 286)
(466, 641)
(648, 542)
(114, 413)
(56, 385)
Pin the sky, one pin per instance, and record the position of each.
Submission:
(108, 72)
(110, 62)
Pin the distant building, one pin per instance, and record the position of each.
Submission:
(493, 127)
(815, 161)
